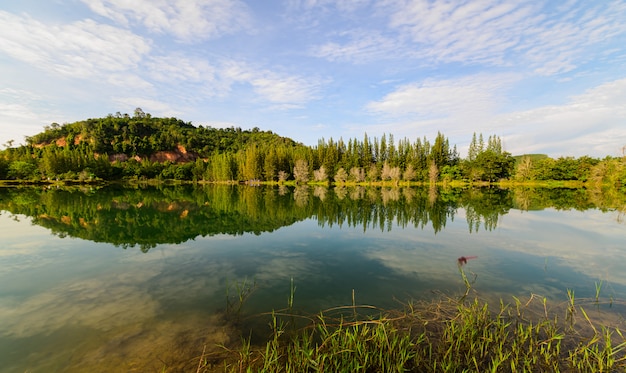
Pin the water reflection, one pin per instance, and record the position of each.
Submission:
(386, 244)
(149, 216)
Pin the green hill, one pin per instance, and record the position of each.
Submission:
(143, 135)
(533, 157)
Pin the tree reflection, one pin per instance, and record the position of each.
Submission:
(148, 216)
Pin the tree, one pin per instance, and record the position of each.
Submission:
(282, 176)
(372, 172)
(382, 149)
(494, 166)
(449, 173)
(390, 173)
(270, 165)
(197, 172)
(252, 167)
(320, 174)
(409, 173)
(440, 151)
(542, 169)
(433, 172)
(4, 168)
(473, 149)
(524, 169)
(22, 170)
(139, 113)
(301, 171)
(341, 176)
(366, 154)
(357, 174)
(494, 144)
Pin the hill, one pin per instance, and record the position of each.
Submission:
(533, 157)
(142, 147)
(142, 136)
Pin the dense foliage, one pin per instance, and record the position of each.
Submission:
(143, 147)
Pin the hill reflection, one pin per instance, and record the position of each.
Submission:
(148, 216)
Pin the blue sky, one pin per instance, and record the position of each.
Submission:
(546, 76)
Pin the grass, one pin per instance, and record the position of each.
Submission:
(242, 291)
(447, 335)
(444, 336)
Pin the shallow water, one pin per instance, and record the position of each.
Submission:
(136, 279)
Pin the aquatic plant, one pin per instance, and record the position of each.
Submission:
(446, 335)
(243, 290)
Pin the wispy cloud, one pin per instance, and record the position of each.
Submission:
(178, 67)
(469, 32)
(155, 106)
(448, 98)
(188, 20)
(79, 49)
(545, 39)
(282, 89)
(128, 70)
(362, 46)
(500, 33)
(491, 66)
(344, 5)
(591, 122)
(17, 111)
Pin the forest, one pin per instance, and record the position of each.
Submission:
(142, 147)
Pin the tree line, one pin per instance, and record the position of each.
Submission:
(124, 147)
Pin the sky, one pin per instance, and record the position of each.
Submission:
(546, 76)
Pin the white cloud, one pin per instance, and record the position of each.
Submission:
(126, 80)
(284, 90)
(79, 49)
(21, 109)
(477, 31)
(468, 96)
(345, 5)
(153, 106)
(177, 67)
(592, 123)
(188, 20)
(482, 32)
(363, 46)
(16, 115)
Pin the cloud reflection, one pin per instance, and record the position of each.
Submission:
(102, 304)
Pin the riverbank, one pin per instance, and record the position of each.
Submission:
(388, 183)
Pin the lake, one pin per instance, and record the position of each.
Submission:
(123, 278)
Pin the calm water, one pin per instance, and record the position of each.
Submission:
(121, 279)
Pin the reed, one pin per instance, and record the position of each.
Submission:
(598, 289)
(442, 335)
(242, 291)
(446, 335)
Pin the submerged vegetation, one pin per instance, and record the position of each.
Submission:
(140, 147)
